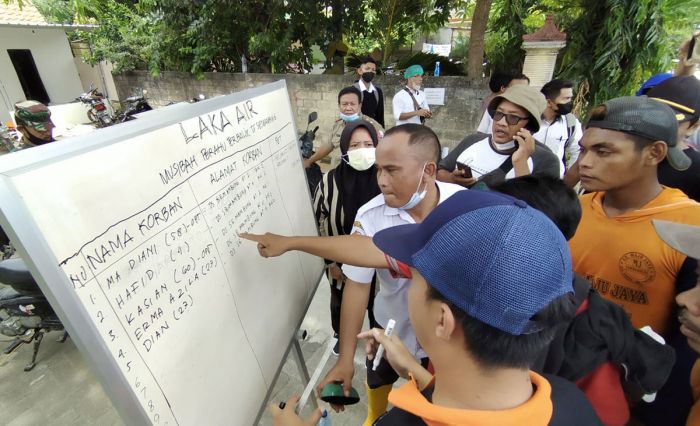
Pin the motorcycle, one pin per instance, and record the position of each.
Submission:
(306, 146)
(98, 114)
(9, 139)
(25, 314)
(133, 105)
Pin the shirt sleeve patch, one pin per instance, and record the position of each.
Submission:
(398, 269)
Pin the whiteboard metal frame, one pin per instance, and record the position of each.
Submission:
(26, 237)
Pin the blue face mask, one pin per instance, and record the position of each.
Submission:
(348, 118)
(417, 196)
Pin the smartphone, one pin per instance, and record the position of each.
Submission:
(466, 169)
(694, 50)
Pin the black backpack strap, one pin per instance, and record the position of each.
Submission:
(507, 165)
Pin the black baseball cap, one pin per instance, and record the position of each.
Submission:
(647, 118)
(682, 94)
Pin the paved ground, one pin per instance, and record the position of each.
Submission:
(61, 390)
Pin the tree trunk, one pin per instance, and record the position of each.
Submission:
(475, 56)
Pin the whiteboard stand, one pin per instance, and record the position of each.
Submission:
(303, 371)
(298, 355)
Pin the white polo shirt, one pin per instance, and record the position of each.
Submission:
(554, 135)
(392, 300)
(403, 102)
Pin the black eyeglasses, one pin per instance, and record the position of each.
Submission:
(511, 119)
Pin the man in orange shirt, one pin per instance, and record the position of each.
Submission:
(615, 245)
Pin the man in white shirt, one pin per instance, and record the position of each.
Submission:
(486, 122)
(372, 96)
(406, 162)
(409, 104)
(560, 130)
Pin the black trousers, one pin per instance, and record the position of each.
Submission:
(384, 374)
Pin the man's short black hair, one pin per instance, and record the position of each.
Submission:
(549, 195)
(552, 89)
(492, 348)
(422, 136)
(520, 76)
(368, 60)
(350, 89)
(498, 81)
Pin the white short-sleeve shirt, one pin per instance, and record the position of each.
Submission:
(403, 102)
(554, 136)
(391, 302)
(482, 158)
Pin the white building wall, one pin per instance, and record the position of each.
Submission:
(54, 61)
(99, 76)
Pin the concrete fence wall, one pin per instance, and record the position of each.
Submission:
(457, 118)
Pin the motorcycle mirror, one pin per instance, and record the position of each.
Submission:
(312, 117)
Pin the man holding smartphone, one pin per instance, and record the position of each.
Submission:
(510, 150)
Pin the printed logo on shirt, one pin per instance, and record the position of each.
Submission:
(637, 268)
(619, 291)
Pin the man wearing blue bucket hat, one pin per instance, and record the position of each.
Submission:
(409, 104)
(491, 284)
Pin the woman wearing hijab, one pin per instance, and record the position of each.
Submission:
(341, 192)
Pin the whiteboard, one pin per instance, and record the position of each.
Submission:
(132, 233)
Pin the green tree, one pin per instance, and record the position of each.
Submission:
(612, 45)
(389, 24)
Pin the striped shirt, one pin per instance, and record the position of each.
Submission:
(329, 213)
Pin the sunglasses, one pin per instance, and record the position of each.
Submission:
(511, 119)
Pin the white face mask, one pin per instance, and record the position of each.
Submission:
(416, 87)
(417, 196)
(361, 159)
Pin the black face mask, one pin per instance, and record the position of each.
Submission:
(563, 109)
(367, 76)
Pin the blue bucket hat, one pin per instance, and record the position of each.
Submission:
(490, 255)
(413, 71)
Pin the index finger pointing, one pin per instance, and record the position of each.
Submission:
(250, 237)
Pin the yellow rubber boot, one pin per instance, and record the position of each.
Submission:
(377, 401)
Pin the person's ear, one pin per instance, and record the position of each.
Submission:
(431, 169)
(446, 323)
(656, 152)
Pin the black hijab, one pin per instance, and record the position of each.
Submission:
(355, 188)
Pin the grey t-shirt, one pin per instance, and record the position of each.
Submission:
(492, 166)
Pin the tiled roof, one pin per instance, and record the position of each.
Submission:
(548, 32)
(11, 14)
